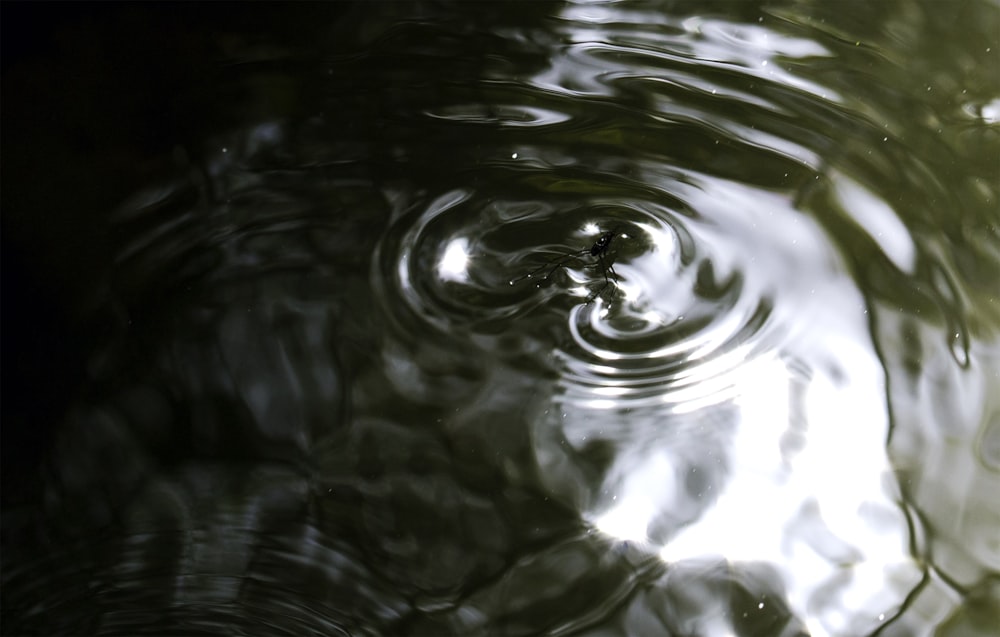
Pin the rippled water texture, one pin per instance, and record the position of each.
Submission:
(629, 318)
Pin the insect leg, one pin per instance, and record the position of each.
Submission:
(605, 268)
(552, 265)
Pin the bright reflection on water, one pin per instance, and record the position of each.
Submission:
(730, 442)
(454, 261)
(329, 399)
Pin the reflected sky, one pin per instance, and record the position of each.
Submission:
(356, 368)
(726, 437)
(454, 261)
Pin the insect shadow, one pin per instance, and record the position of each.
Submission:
(602, 261)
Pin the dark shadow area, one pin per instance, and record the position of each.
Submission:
(97, 97)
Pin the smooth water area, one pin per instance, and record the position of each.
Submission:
(320, 393)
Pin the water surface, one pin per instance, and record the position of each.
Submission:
(320, 395)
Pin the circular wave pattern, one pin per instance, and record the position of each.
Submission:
(660, 124)
(674, 329)
(437, 263)
(678, 317)
(727, 155)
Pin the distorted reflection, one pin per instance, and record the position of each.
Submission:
(877, 218)
(454, 261)
(990, 112)
(316, 399)
(782, 496)
(717, 406)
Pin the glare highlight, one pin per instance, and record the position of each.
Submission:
(455, 260)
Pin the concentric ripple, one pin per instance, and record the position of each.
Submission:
(680, 325)
(702, 283)
(476, 318)
(438, 263)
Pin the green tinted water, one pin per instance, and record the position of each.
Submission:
(299, 382)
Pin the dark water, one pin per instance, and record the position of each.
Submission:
(272, 364)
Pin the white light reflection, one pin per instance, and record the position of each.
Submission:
(663, 241)
(639, 500)
(611, 391)
(804, 488)
(749, 501)
(878, 219)
(990, 112)
(581, 291)
(602, 404)
(630, 292)
(823, 511)
(454, 261)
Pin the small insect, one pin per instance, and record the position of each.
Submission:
(600, 250)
